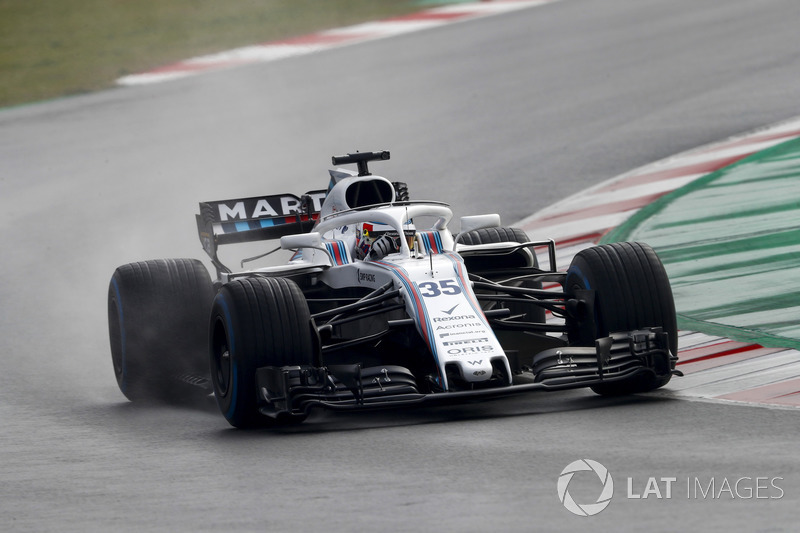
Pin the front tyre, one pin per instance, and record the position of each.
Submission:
(632, 292)
(255, 322)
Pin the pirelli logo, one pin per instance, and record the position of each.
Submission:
(467, 341)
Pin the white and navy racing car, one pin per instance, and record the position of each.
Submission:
(381, 305)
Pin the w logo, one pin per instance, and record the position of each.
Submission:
(588, 509)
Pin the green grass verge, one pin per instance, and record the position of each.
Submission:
(52, 48)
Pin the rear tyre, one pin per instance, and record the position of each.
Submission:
(492, 235)
(158, 329)
(632, 292)
(531, 312)
(255, 322)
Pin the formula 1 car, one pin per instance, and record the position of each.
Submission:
(381, 306)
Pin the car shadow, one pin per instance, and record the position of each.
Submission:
(322, 421)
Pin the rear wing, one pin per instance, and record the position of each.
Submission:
(255, 219)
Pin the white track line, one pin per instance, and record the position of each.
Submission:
(334, 38)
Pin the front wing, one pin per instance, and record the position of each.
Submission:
(296, 390)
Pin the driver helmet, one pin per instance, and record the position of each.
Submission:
(368, 233)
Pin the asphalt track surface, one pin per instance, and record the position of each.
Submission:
(502, 114)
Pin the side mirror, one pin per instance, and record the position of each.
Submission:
(301, 240)
(477, 222)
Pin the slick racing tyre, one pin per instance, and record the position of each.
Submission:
(632, 292)
(492, 235)
(158, 328)
(531, 312)
(255, 322)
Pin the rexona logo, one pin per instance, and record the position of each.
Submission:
(586, 509)
(452, 318)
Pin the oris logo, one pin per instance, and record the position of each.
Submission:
(457, 317)
(470, 350)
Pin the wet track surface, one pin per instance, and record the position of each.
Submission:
(503, 114)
